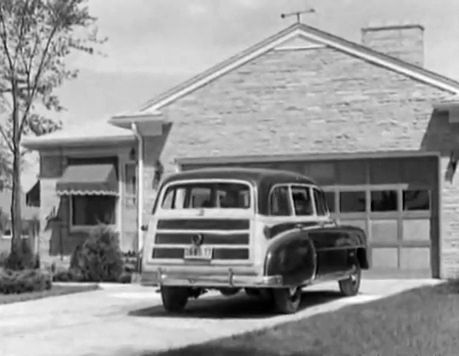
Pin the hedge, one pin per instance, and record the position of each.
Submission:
(23, 281)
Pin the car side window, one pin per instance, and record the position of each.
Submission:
(319, 200)
(279, 201)
(302, 200)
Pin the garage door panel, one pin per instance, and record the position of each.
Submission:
(382, 231)
(415, 258)
(384, 257)
(416, 230)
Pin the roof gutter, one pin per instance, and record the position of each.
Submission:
(37, 143)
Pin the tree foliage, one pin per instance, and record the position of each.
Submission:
(36, 39)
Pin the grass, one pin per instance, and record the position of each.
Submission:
(423, 321)
(55, 290)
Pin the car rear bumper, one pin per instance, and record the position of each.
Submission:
(229, 279)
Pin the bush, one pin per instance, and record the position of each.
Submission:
(25, 260)
(99, 259)
(29, 280)
(70, 275)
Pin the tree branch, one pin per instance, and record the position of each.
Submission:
(7, 139)
(4, 39)
(21, 32)
(37, 77)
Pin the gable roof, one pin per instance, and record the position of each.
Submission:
(308, 34)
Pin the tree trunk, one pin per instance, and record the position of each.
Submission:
(19, 258)
(16, 221)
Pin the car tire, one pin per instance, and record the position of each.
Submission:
(174, 298)
(350, 286)
(287, 300)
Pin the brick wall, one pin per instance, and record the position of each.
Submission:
(315, 101)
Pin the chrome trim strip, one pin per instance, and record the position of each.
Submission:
(229, 280)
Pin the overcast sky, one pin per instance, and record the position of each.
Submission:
(155, 44)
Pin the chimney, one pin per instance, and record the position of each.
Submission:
(403, 41)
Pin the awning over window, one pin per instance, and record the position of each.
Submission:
(88, 179)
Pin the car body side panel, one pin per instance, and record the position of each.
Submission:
(301, 255)
(292, 256)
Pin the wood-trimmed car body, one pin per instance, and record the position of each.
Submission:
(267, 231)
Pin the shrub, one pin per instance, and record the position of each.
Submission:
(99, 258)
(28, 280)
(26, 260)
(70, 275)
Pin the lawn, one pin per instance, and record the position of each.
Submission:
(423, 321)
(54, 291)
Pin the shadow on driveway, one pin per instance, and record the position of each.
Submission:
(237, 306)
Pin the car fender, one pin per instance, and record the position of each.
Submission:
(291, 255)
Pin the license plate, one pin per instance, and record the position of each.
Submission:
(198, 253)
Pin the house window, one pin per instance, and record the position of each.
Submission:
(90, 210)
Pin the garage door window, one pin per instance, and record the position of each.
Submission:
(416, 200)
(384, 200)
(352, 202)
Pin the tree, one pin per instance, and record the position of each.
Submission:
(36, 39)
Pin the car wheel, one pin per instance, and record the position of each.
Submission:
(350, 286)
(174, 298)
(287, 300)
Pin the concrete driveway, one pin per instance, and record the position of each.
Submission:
(129, 319)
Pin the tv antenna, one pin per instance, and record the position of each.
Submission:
(298, 14)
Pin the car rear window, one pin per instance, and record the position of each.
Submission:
(207, 195)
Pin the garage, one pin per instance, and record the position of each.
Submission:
(394, 199)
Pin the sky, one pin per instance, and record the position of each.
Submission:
(155, 44)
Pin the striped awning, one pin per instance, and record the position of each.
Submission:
(88, 179)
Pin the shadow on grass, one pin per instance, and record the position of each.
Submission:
(238, 306)
(401, 324)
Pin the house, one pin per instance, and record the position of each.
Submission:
(373, 127)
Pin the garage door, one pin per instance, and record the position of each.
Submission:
(395, 200)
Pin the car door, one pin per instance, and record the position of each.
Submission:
(337, 241)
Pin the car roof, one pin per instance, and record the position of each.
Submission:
(255, 175)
